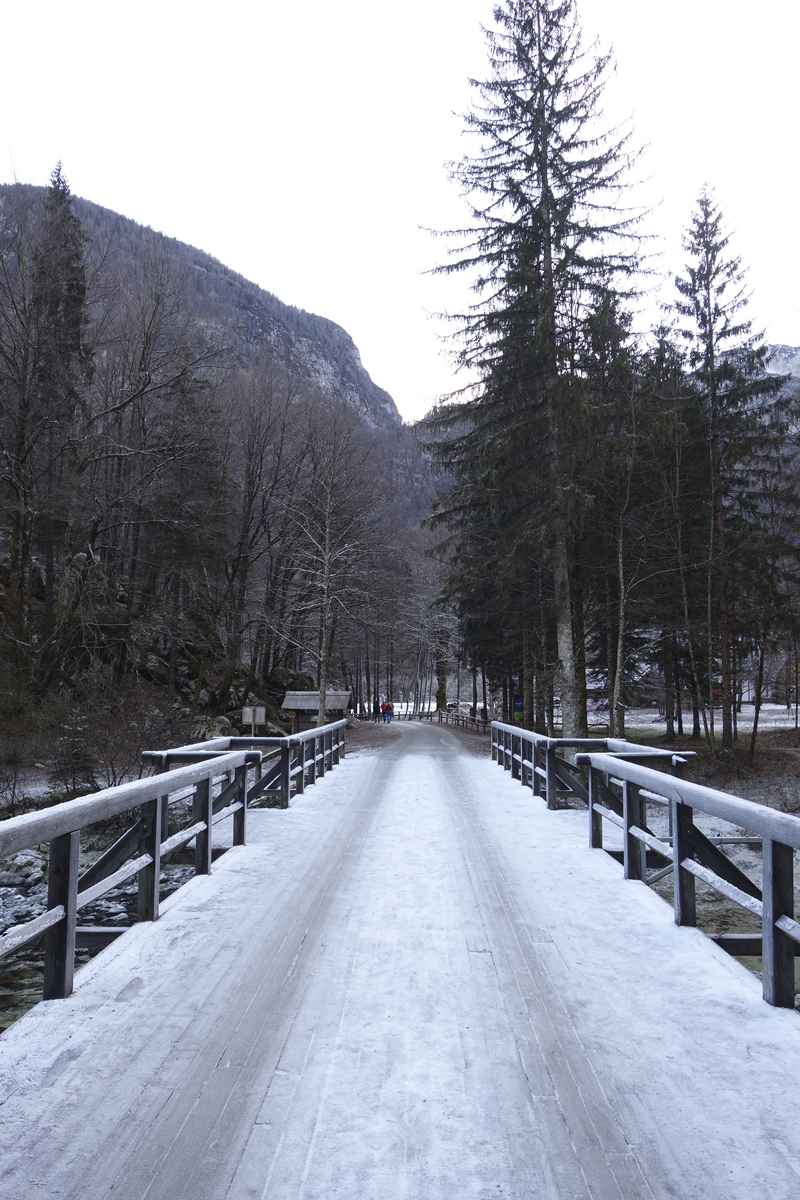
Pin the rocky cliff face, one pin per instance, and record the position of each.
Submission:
(784, 360)
(249, 319)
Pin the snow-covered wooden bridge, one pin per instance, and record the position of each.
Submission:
(417, 982)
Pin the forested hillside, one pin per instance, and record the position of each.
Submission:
(242, 318)
(202, 490)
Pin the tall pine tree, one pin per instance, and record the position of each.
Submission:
(547, 234)
(729, 363)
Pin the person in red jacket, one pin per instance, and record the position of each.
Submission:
(383, 709)
(389, 711)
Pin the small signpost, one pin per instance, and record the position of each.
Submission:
(519, 708)
(253, 717)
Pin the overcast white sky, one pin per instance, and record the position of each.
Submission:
(304, 145)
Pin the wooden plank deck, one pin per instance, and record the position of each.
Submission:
(416, 983)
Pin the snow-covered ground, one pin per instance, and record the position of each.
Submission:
(415, 983)
(772, 716)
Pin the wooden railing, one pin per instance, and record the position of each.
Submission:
(475, 724)
(286, 763)
(533, 758)
(622, 782)
(620, 791)
(213, 773)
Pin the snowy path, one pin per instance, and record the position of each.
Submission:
(416, 983)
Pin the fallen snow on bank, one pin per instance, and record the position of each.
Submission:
(771, 717)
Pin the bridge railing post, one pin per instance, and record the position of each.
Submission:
(683, 881)
(550, 780)
(202, 810)
(150, 876)
(515, 766)
(59, 940)
(300, 776)
(240, 816)
(595, 818)
(634, 851)
(776, 947)
(285, 772)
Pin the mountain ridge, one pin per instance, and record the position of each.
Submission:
(784, 360)
(256, 318)
(249, 317)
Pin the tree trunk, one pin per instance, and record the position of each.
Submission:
(579, 641)
(692, 655)
(695, 711)
(751, 757)
(173, 639)
(323, 689)
(611, 655)
(722, 562)
(676, 674)
(441, 680)
(619, 667)
(540, 712)
(571, 725)
(527, 680)
(669, 689)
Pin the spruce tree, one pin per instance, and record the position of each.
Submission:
(44, 364)
(742, 419)
(547, 234)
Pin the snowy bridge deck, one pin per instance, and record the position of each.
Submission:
(415, 983)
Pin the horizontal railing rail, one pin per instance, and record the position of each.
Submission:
(460, 720)
(23, 832)
(212, 774)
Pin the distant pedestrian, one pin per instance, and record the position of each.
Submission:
(383, 709)
(389, 711)
(376, 711)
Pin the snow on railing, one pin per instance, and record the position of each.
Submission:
(621, 784)
(213, 773)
